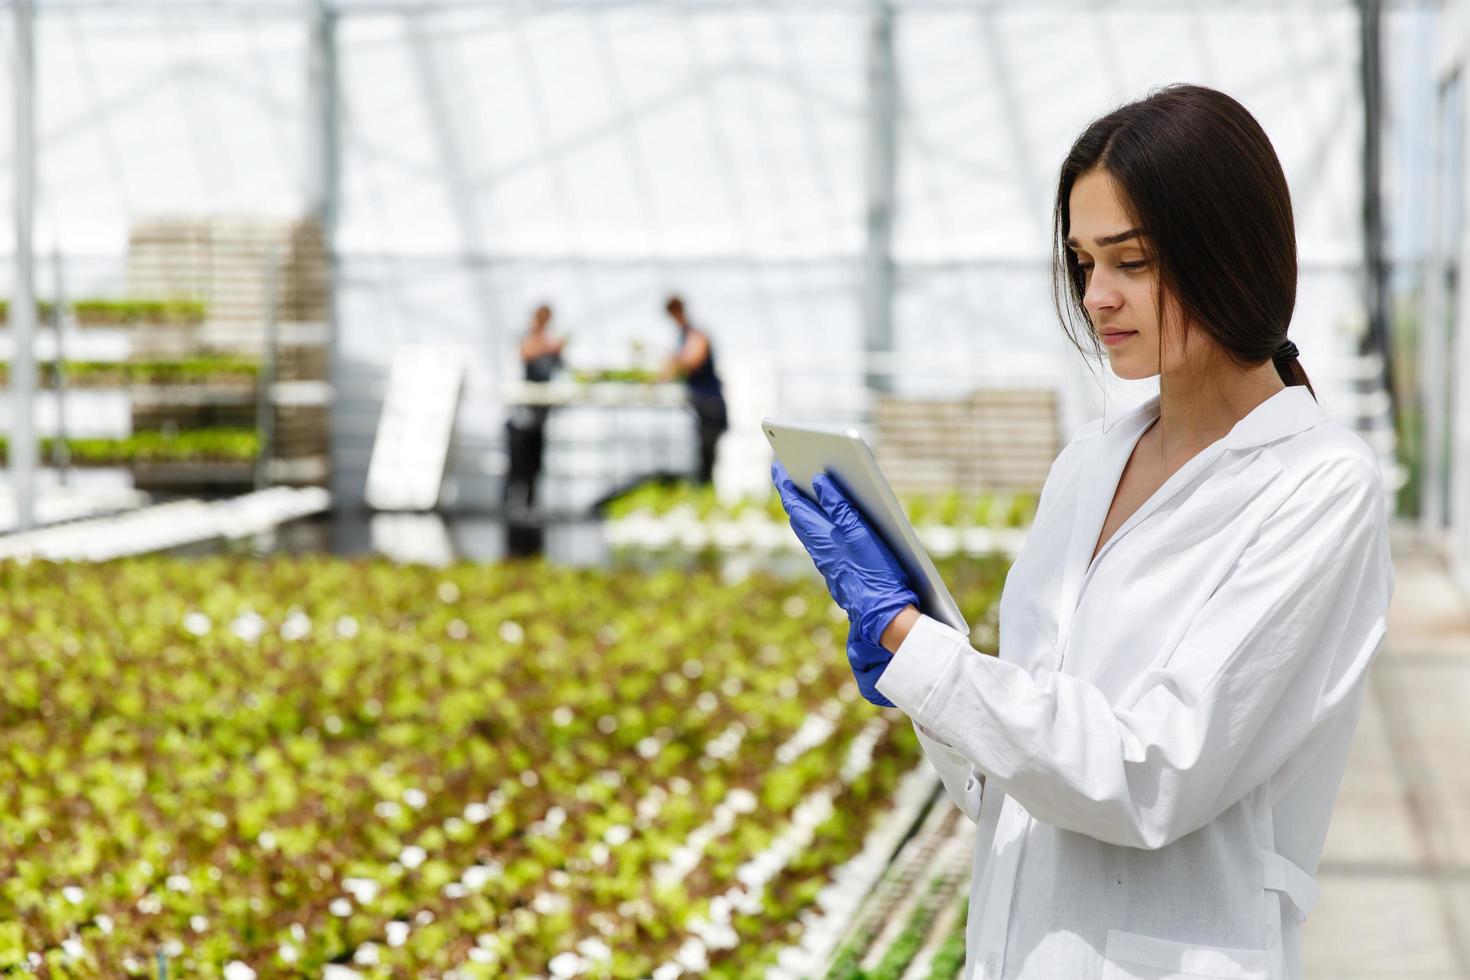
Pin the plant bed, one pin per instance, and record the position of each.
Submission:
(222, 371)
(132, 312)
(199, 446)
(123, 312)
(614, 375)
(405, 771)
(664, 496)
(667, 514)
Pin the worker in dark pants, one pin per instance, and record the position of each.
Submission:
(695, 363)
(525, 430)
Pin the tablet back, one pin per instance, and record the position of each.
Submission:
(806, 450)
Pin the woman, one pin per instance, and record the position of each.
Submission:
(526, 426)
(1153, 755)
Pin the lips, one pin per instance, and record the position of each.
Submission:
(1118, 336)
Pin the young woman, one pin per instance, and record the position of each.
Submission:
(1153, 754)
(525, 428)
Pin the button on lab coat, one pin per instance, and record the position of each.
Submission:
(1152, 758)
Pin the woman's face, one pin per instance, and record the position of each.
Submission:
(1120, 280)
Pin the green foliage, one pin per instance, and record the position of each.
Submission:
(226, 742)
(192, 370)
(949, 959)
(847, 965)
(131, 311)
(89, 311)
(188, 445)
(624, 375)
(12, 944)
(952, 509)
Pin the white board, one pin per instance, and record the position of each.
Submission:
(411, 448)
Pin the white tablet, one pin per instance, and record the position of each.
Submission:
(806, 450)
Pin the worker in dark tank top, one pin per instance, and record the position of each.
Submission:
(695, 363)
(526, 427)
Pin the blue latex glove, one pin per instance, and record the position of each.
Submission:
(861, 573)
(868, 663)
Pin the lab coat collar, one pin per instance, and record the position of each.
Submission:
(1289, 411)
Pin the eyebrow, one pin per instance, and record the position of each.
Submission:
(1121, 236)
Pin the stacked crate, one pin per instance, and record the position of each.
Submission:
(227, 263)
(301, 402)
(992, 439)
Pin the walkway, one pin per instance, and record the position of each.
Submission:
(1395, 874)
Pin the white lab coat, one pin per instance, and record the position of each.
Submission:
(1153, 757)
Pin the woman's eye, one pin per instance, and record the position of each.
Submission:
(1121, 265)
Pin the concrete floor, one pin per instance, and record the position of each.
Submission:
(1395, 873)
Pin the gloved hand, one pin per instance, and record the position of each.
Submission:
(861, 573)
(868, 663)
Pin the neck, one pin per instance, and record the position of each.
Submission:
(1198, 406)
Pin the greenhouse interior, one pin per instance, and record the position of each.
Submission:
(397, 584)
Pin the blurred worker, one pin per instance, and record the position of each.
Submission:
(695, 363)
(526, 426)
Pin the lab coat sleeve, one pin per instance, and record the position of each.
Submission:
(1280, 645)
(956, 772)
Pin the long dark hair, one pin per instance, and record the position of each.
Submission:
(1200, 177)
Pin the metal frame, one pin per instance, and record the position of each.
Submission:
(23, 448)
(294, 8)
(881, 162)
(328, 127)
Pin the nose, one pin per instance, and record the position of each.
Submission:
(1101, 294)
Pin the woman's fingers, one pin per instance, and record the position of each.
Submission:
(806, 518)
(812, 527)
(791, 497)
(839, 509)
(784, 487)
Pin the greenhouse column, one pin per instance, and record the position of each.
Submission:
(882, 109)
(322, 130)
(324, 171)
(1378, 338)
(22, 446)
